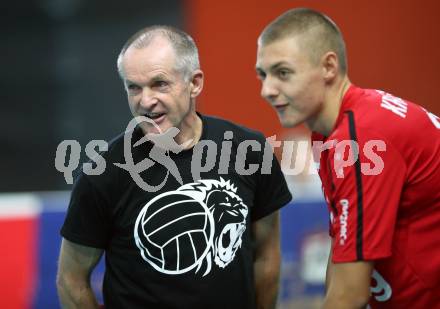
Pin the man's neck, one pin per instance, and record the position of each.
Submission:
(326, 119)
(191, 131)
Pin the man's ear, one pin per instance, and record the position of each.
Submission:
(196, 83)
(330, 66)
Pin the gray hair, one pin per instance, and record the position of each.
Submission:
(187, 56)
(317, 32)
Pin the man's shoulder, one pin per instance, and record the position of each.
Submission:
(115, 149)
(113, 153)
(378, 114)
(116, 144)
(218, 126)
(378, 108)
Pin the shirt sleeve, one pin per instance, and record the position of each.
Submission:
(365, 197)
(271, 193)
(87, 221)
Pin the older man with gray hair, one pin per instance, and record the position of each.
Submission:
(210, 241)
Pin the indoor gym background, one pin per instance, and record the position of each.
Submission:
(59, 82)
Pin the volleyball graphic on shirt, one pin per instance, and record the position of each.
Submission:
(174, 232)
(192, 227)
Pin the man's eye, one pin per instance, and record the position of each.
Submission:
(133, 87)
(283, 74)
(261, 75)
(160, 84)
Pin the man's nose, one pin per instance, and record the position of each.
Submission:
(148, 99)
(268, 90)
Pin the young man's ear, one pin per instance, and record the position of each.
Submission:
(330, 66)
(196, 83)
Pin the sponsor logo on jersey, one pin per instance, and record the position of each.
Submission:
(343, 220)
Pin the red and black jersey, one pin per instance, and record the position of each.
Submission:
(380, 170)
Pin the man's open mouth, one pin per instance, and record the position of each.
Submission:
(154, 115)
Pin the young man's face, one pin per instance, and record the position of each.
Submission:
(155, 88)
(291, 83)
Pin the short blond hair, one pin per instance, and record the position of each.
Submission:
(318, 33)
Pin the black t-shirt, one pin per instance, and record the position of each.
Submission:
(186, 245)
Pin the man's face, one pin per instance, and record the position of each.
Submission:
(291, 83)
(155, 88)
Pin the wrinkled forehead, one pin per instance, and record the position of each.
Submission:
(144, 60)
(157, 52)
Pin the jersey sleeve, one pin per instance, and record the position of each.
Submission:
(365, 197)
(87, 221)
(271, 193)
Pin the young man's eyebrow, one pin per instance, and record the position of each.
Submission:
(271, 68)
(277, 65)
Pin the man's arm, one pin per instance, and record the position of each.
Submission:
(348, 285)
(329, 267)
(73, 279)
(267, 260)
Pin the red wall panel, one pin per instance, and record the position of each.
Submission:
(392, 45)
